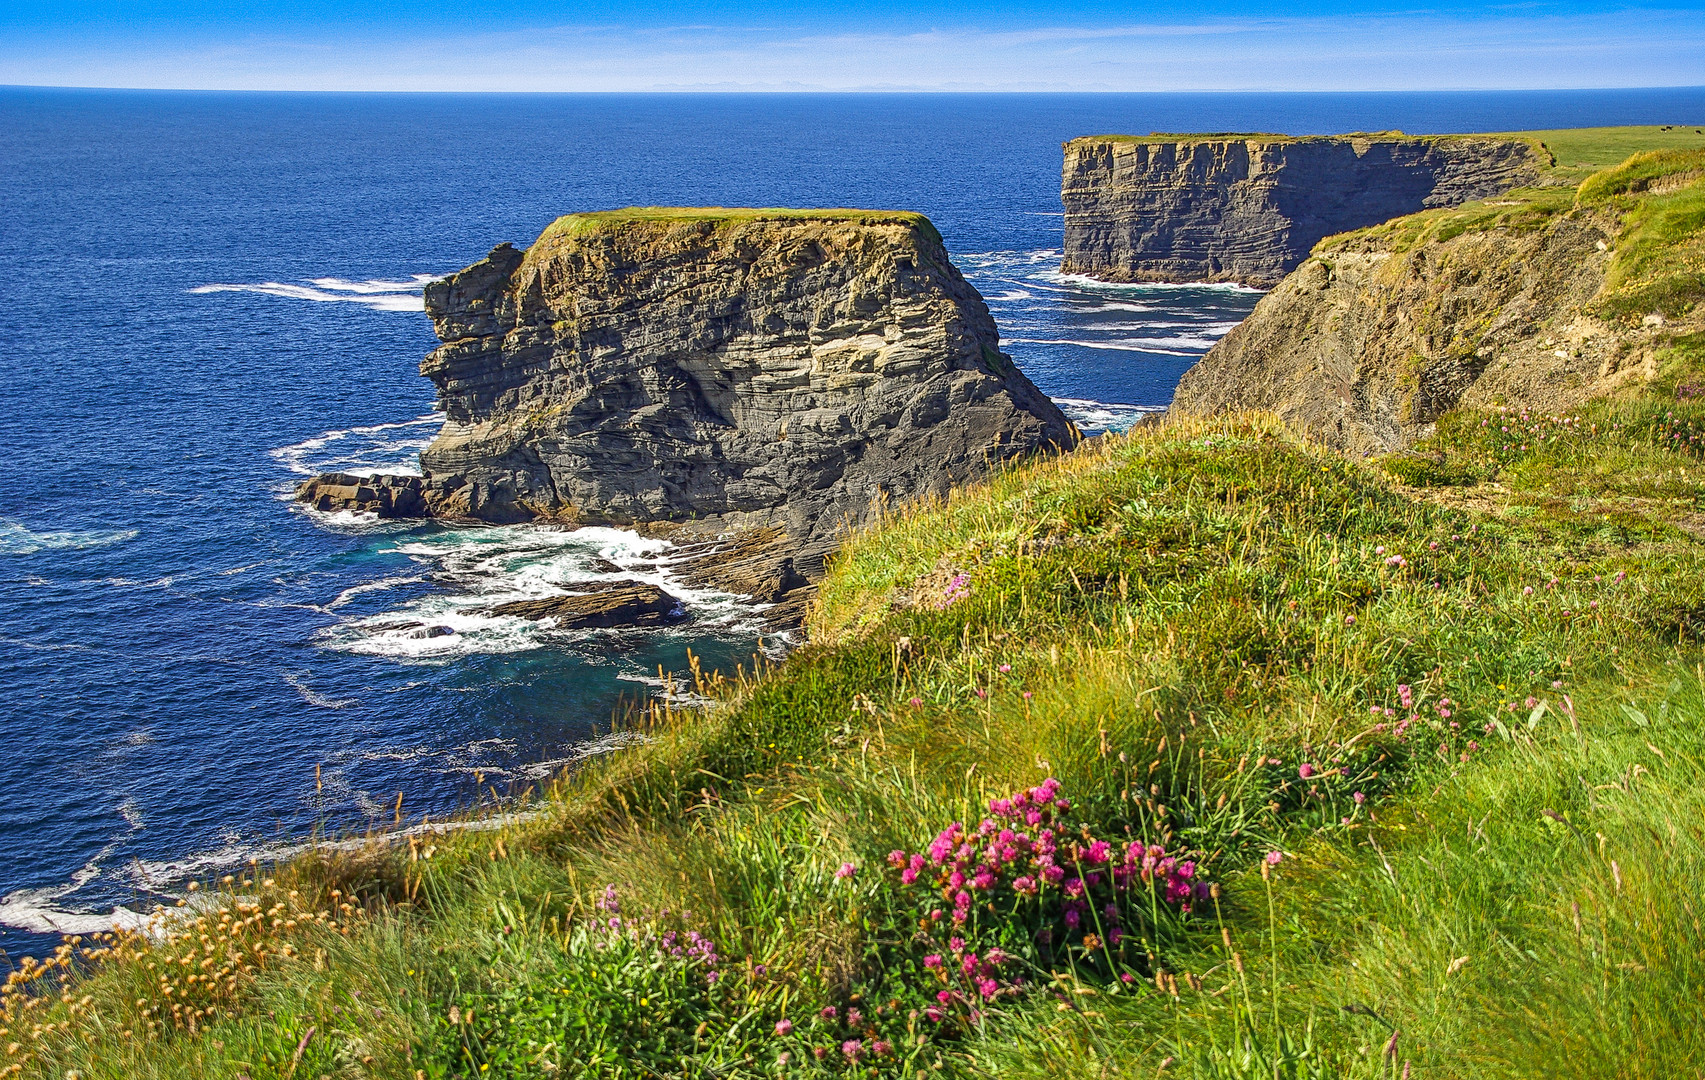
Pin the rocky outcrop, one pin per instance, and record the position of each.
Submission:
(700, 372)
(1380, 333)
(1249, 208)
(626, 603)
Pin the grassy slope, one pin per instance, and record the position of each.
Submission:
(1171, 623)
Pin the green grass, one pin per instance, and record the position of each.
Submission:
(1172, 623)
(1660, 255)
(722, 216)
(1580, 151)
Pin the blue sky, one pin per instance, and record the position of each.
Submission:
(882, 44)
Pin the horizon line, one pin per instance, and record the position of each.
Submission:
(854, 92)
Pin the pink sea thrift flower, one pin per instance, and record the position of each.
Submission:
(783, 1026)
(847, 870)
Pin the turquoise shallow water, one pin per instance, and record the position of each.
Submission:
(210, 295)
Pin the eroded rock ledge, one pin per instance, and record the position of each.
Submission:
(1248, 208)
(755, 381)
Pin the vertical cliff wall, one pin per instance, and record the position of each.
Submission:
(1249, 208)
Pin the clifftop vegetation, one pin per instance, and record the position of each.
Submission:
(722, 217)
(1290, 765)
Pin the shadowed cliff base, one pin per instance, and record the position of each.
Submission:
(705, 372)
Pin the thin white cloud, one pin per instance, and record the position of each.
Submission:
(1500, 49)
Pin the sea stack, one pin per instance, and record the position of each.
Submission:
(709, 371)
(1248, 208)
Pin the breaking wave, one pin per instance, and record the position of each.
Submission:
(363, 451)
(16, 539)
(380, 295)
(477, 568)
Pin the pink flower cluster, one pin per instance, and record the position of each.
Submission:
(958, 588)
(1067, 882)
(693, 947)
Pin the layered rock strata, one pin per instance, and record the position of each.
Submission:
(696, 373)
(1249, 208)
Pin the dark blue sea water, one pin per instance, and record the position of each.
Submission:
(206, 296)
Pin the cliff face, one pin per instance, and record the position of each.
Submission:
(717, 369)
(1249, 209)
(1380, 333)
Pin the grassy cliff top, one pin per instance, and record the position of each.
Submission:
(1586, 150)
(1577, 152)
(724, 216)
(1270, 137)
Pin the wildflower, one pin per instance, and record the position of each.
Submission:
(783, 1058)
(981, 693)
(854, 1018)
(847, 870)
(896, 858)
(1306, 770)
(1360, 798)
(1349, 620)
(1406, 695)
(1273, 858)
(1621, 576)
(882, 1047)
(1028, 695)
(829, 1012)
(1004, 668)
(783, 1026)
(917, 703)
(1527, 590)
(853, 1049)
(932, 961)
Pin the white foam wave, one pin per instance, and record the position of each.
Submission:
(478, 568)
(1096, 417)
(363, 451)
(377, 294)
(38, 910)
(381, 585)
(1082, 281)
(16, 539)
(314, 697)
(1127, 345)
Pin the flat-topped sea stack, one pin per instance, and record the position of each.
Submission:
(706, 371)
(1248, 208)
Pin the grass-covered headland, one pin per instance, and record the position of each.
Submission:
(1198, 752)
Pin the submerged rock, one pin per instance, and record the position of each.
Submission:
(630, 603)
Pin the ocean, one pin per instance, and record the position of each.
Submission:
(209, 296)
